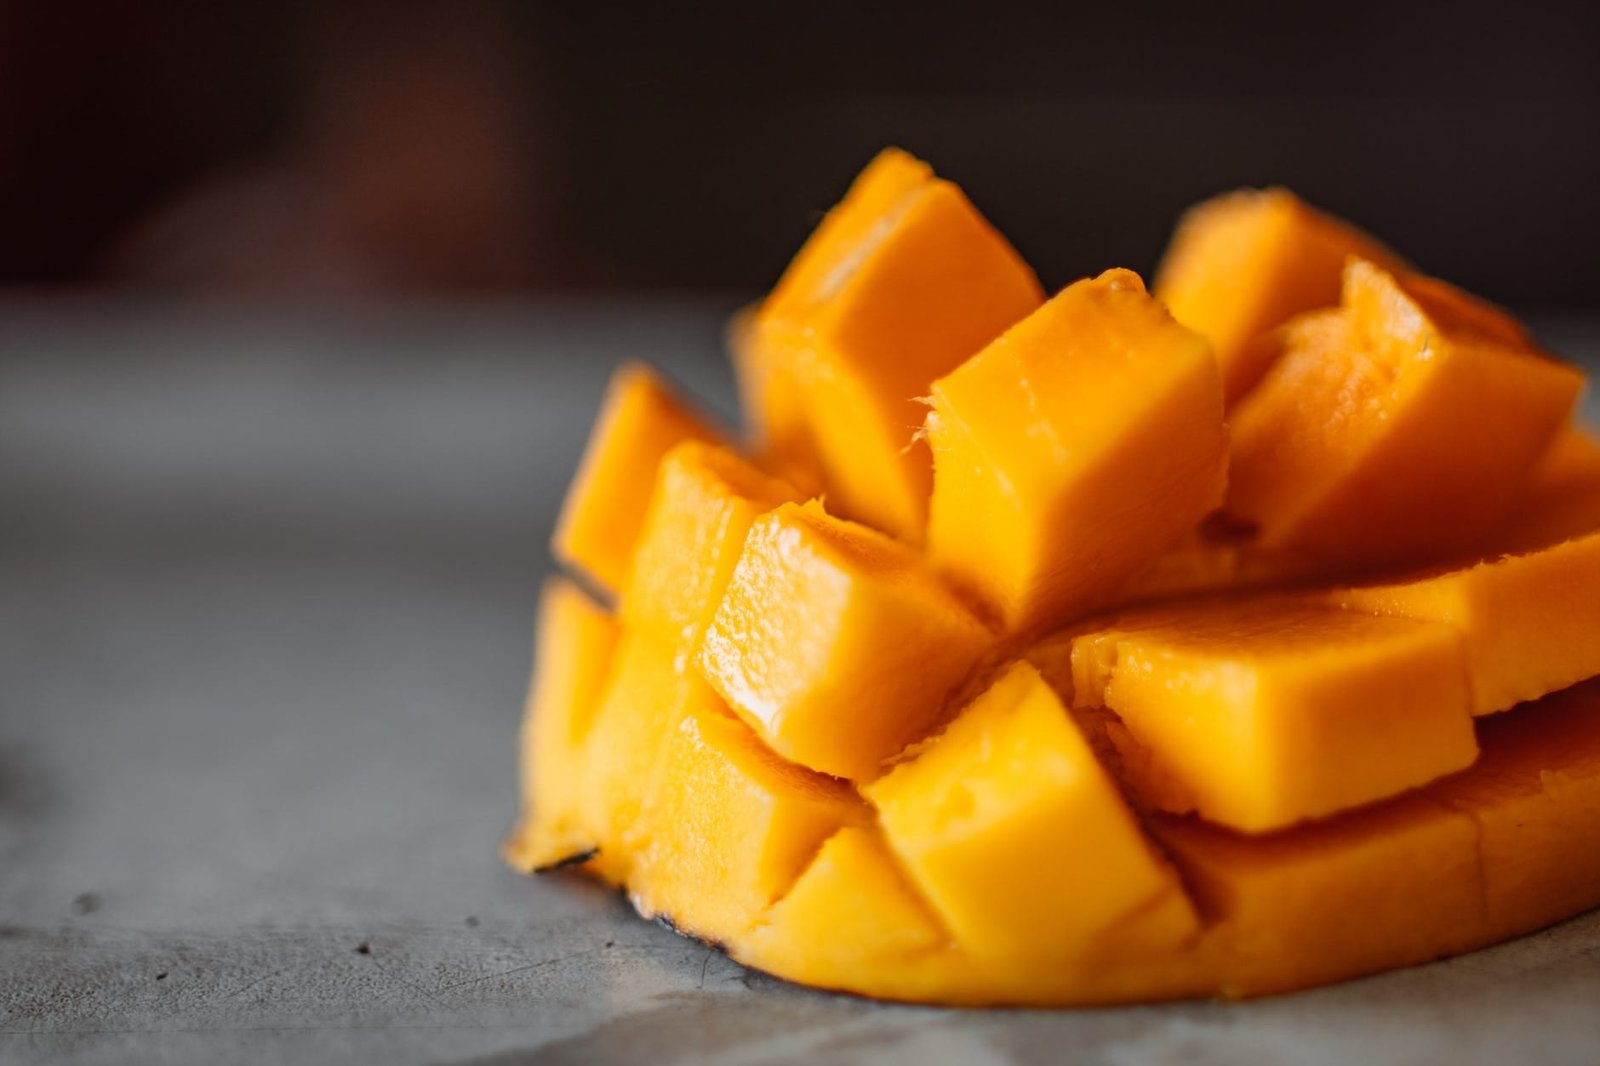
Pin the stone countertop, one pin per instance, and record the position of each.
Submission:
(266, 590)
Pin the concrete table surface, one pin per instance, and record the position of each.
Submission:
(266, 589)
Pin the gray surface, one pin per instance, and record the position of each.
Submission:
(265, 596)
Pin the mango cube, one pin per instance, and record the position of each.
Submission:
(907, 282)
(1009, 803)
(1379, 437)
(1561, 498)
(1245, 262)
(852, 902)
(1530, 623)
(640, 420)
(835, 643)
(1073, 450)
(574, 638)
(1264, 713)
(732, 825)
(705, 500)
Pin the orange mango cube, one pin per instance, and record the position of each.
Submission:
(852, 902)
(1073, 450)
(972, 812)
(1243, 263)
(731, 826)
(705, 500)
(1380, 438)
(1530, 623)
(835, 643)
(909, 281)
(1260, 714)
(640, 420)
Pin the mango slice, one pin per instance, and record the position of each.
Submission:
(1248, 261)
(1010, 803)
(1378, 437)
(1072, 450)
(1263, 713)
(640, 420)
(1530, 623)
(905, 281)
(704, 502)
(574, 639)
(835, 643)
(1065, 697)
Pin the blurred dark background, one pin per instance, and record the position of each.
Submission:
(466, 148)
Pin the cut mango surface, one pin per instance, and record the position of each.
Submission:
(1081, 651)
(1381, 437)
(903, 281)
(1072, 450)
(640, 420)
(1244, 263)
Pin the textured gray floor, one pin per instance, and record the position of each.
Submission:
(266, 587)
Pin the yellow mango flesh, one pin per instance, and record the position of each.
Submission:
(1072, 450)
(1530, 623)
(640, 420)
(814, 743)
(704, 502)
(731, 827)
(1248, 261)
(882, 309)
(972, 816)
(835, 643)
(1379, 438)
(852, 902)
(573, 643)
(1259, 714)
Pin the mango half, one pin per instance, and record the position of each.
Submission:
(1223, 641)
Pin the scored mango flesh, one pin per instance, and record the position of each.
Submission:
(1222, 641)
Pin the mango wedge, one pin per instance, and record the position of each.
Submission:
(1246, 262)
(836, 644)
(640, 420)
(1529, 622)
(1380, 437)
(1259, 714)
(1080, 651)
(1072, 450)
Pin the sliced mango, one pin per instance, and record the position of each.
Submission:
(1379, 437)
(732, 826)
(1245, 262)
(905, 282)
(835, 643)
(852, 902)
(640, 420)
(705, 499)
(1072, 450)
(572, 655)
(1530, 623)
(1009, 803)
(1263, 713)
